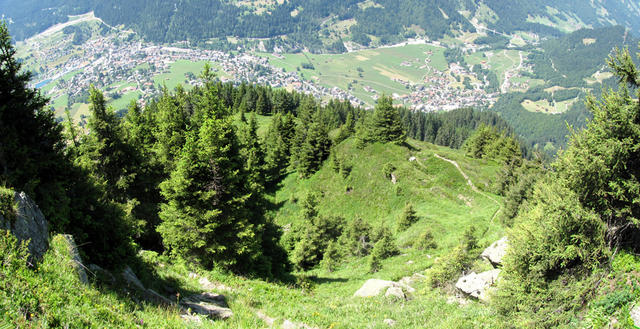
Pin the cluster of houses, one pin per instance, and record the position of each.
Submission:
(108, 60)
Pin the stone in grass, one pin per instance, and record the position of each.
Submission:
(395, 292)
(130, 277)
(389, 322)
(635, 315)
(209, 304)
(373, 287)
(496, 251)
(477, 285)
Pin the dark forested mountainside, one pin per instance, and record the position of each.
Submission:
(568, 60)
(314, 24)
(521, 14)
(30, 17)
(570, 66)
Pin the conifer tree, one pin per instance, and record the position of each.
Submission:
(105, 145)
(171, 120)
(31, 144)
(253, 154)
(144, 188)
(331, 257)
(211, 215)
(276, 151)
(407, 218)
(346, 130)
(385, 125)
(263, 103)
(315, 148)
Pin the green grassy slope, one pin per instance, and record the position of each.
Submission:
(440, 194)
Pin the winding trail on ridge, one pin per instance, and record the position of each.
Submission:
(473, 187)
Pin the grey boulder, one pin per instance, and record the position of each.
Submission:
(496, 251)
(30, 225)
(208, 304)
(477, 285)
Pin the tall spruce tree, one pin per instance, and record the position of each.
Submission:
(32, 159)
(385, 125)
(31, 144)
(276, 151)
(315, 148)
(211, 215)
(253, 154)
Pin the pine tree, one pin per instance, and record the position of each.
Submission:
(105, 145)
(331, 257)
(253, 155)
(357, 238)
(211, 215)
(144, 188)
(407, 218)
(314, 150)
(31, 144)
(205, 217)
(385, 125)
(346, 130)
(276, 151)
(425, 241)
(384, 248)
(263, 103)
(171, 121)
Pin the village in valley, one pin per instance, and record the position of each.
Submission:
(127, 68)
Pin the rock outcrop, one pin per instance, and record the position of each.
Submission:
(477, 285)
(130, 277)
(77, 264)
(395, 292)
(496, 251)
(208, 304)
(635, 315)
(28, 224)
(374, 287)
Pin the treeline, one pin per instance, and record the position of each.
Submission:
(451, 128)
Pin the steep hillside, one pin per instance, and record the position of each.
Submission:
(324, 25)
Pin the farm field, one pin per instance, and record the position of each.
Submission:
(543, 106)
(379, 69)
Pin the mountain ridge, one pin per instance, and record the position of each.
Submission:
(323, 25)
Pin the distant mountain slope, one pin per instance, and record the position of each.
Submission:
(321, 25)
(563, 15)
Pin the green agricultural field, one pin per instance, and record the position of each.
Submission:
(543, 106)
(59, 104)
(177, 74)
(124, 101)
(498, 61)
(374, 68)
(78, 110)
